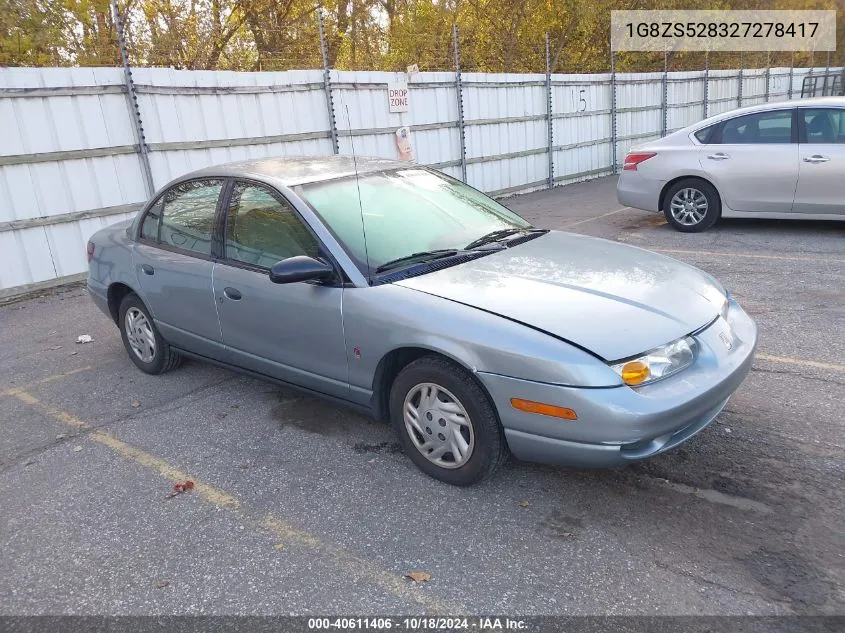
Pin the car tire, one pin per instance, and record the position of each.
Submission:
(142, 340)
(692, 205)
(449, 404)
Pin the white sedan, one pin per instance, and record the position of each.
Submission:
(776, 161)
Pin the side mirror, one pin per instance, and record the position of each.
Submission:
(300, 268)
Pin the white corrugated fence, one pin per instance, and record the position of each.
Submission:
(70, 159)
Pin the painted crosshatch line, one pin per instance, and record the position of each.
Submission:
(718, 31)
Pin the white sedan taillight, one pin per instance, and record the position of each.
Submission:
(635, 158)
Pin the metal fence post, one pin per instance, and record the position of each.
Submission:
(768, 74)
(132, 97)
(791, 75)
(613, 109)
(549, 114)
(327, 85)
(706, 84)
(664, 97)
(826, 73)
(460, 97)
(739, 89)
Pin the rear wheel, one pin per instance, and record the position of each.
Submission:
(692, 205)
(142, 340)
(445, 422)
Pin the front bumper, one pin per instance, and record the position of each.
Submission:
(639, 192)
(619, 425)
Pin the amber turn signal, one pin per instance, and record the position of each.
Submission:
(529, 406)
(635, 372)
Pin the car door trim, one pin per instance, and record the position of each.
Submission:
(361, 408)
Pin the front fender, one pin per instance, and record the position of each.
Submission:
(381, 319)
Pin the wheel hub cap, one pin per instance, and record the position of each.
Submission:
(139, 333)
(438, 425)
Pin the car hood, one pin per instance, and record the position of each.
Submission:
(612, 299)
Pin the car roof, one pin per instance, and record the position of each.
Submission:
(290, 171)
(773, 105)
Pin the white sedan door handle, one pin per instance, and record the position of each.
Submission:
(718, 156)
(816, 158)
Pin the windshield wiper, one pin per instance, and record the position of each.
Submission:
(422, 256)
(501, 235)
(493, 236)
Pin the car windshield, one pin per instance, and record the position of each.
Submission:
(405, 212)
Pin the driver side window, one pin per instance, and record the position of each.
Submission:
(262, 228)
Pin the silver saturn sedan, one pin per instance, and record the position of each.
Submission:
(776, 161)
(411, 296)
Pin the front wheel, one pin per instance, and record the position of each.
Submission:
(142, 340)
(445, 422)
(692, 205)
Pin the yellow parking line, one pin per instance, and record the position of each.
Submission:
(12, 391)
(795, 258)
(358, 568)
(354, 566)
(127, 451)
(598, 217)
(801, 362)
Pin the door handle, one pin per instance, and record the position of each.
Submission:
(233, 293)
(816, 158)
(718, 156)
(148, 270)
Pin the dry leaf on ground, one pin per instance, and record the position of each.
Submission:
(418, 576)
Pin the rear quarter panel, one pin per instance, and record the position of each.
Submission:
(677, 156)
(112, 260)
(674, 161)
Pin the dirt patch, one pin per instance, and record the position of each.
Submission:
(791, 576)
(560, 525)
(313, 415)
(362, 448)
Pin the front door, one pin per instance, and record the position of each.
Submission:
(293, 332)
(754, 163)
(173, 264)
(822, 161)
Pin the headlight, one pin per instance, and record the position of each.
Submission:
(657, 363)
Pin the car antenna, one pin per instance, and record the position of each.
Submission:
(358, 188)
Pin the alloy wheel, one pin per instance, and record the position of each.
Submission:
(689, 206)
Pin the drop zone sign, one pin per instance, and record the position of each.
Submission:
(398, 97)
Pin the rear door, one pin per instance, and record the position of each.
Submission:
(821, 168)
(293, 332)
(173, 263)
(753, 161)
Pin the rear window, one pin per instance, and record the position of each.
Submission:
(703, 135)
